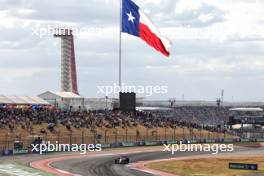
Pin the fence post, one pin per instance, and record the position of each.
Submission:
(105, 136)
(46, 137)
(165, 133)
(83, 137)
(147, 133)
(6, 138)
(126, 133)
(200, 133)
(190, 132)
(58, 137)
(71, 138)
(174, 133)
(116, 136)
(183, 132)
(94, 137)
(137, 135)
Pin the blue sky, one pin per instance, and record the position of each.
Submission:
(216, 45)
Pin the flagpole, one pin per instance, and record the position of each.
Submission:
(120, 47)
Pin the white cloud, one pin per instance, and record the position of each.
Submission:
(187, 5)
(7, 74)
(205, 17)
(213, 41)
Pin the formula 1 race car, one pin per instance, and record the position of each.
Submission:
(122, 160)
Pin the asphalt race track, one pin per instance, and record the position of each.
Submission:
(104, 165)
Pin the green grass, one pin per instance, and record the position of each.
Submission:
(207, 167)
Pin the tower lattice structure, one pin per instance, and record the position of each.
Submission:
(68, 65)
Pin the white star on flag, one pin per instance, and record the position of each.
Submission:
(130, 17)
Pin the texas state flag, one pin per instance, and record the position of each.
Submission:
(136, 23)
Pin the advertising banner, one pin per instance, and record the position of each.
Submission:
(151, 143)
(20, 152)
(106, 146)
(128, 144)
(7, 152)
(241, 166)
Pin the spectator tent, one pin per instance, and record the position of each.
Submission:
(69, 100)
(63, 100)
(22, 100)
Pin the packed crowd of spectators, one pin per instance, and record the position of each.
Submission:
(212, 115)
(196, 117)
(27, 118)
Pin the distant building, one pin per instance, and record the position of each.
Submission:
(99, 103)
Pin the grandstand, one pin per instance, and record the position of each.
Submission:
(102, 126)
(200, 103)
(247, 122)
(192, 121)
